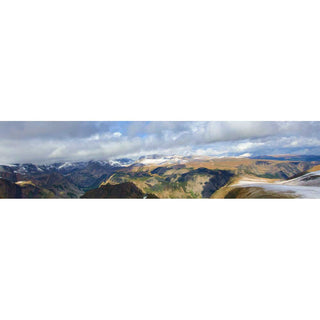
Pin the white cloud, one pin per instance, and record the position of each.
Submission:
(247, 145)
(245, 155)
(55, 141)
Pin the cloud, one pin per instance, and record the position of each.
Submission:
(50, 129)
(58, 141)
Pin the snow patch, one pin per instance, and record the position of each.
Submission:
(65, 165)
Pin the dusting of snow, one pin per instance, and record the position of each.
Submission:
(22, 169)
(116, 163)
(152, 161)
(302, 178)
(162, 160)
(65, 165)
(296, 185)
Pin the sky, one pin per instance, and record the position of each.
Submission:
(54, 141)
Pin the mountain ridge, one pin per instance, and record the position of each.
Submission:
(163, 176)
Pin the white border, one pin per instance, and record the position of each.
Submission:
(192, 259)
(142, 60)
(168, 60)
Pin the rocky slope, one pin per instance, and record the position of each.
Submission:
(126, 190)
(62, 180)
(22, 189)
(9, 189)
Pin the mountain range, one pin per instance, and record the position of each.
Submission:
(159, 176)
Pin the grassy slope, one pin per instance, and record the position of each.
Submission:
(315, 168)
(165, 185)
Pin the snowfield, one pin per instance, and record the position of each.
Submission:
(306, 186)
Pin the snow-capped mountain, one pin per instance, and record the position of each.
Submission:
(63, 167)
(159, 159)
(166, 176)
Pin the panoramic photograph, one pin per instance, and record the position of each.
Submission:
(160, 159)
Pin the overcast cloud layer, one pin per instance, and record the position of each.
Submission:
(46, 142)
